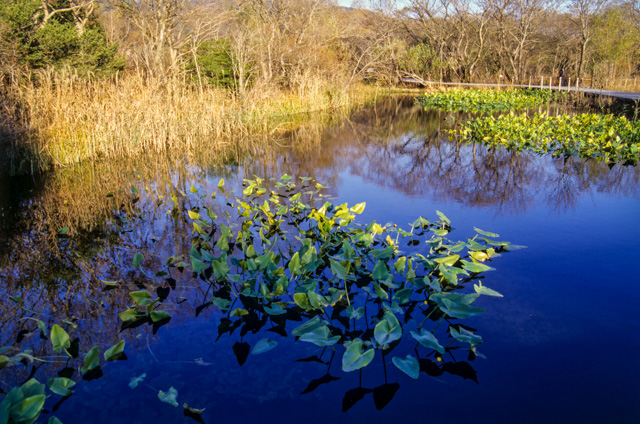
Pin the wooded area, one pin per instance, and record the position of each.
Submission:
(301, 44)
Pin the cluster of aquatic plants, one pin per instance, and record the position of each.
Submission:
(488, 100)
(24, 403)
(285, 258)
(281, 257)
(606, 137)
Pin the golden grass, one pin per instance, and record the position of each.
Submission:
(67, 119)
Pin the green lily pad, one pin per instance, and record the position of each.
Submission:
(354, 358)
(388, 329)
(409, 366)
(264, 345)
(428, 340)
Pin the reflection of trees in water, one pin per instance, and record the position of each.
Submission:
(401, 146)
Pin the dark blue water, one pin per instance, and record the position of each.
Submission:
(561, 346)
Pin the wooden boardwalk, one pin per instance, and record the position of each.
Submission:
(623, 95)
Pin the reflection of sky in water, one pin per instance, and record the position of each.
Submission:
(561, 346)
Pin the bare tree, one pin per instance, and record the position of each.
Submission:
(582, 15)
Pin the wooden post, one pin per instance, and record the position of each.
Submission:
(529, 81)
(559, 83)
(569, 84)
(550, 81)
(542, 81)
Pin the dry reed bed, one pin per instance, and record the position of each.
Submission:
(71, 120)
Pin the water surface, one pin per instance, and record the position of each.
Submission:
(561, 346)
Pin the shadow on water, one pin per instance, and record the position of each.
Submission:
(65, 233)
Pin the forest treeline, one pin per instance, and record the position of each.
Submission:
(292, 44)
(86, 79)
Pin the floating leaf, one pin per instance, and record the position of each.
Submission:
(388, 329)
(61, 385)
(308, 326)
(63, 230)
(157, 316)
(480, 289)
(354, 358)
(137, 380)
(264, 345)
(409, 366)
(486, 233)
(137, 260)
(171, 397)
(114, 351)
(320, 336)
(456, 305)
(465, 336)
(59, 338)
(91, 360)
(141, 297)
(428, 340)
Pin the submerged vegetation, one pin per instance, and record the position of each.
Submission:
(604, 137)
(278, 258)
(488, 100)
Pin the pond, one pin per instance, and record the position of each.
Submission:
(560, 346)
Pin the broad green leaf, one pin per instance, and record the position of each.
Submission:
(137, 380)
(137, 260)
(194, 215)
(354, 358)
(63, 230)
(302, 300)
(128, 315)
(264, 345)
(197, 265)
(171, 397)
(294, 264)
(141, 297)
(359, 208)
(380, 271)
(221, 183)
(480, 289)
(355, 313)
(475, 267)
(59, 338)
(28, 409)
(114, 351)
(220, 268)
(465, 336)
(428, 340)
(448, 260)
(275, 309)
(61, 385)
(402, 296)
(338, 269)
(387, 330)
(91, 359)
(239, 312)
(320, 336)
(380, 292)
(409, 366)
(486, 233)
(443, 217)
(157, 316)
(308, 326)
(4, 361)
(400, 264)
(456, 305)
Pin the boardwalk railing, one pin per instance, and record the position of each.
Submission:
(624, 95)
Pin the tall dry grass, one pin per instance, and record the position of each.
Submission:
(68, 119)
